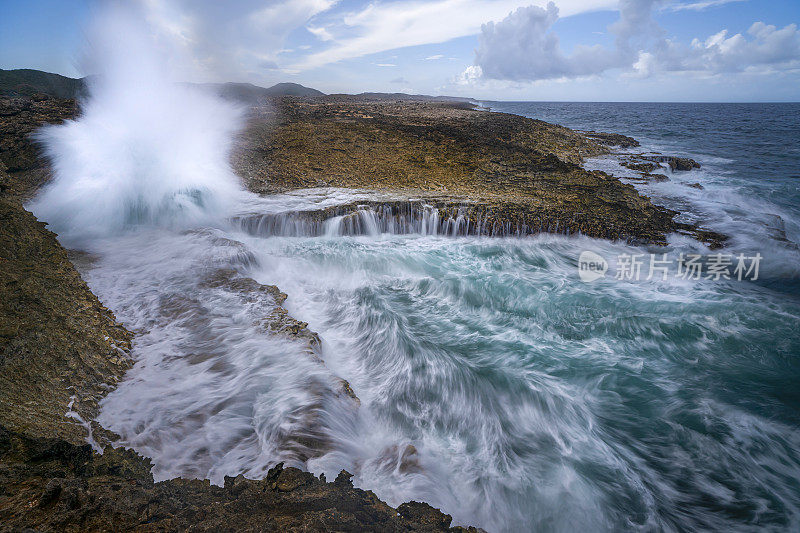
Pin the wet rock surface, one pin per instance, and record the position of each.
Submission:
(612, 139)
(53, 485)
(19, 118)
(647, 163)
(61, 350)
(525, 172)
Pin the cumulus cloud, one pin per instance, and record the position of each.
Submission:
(382, 26)
(523, 47)
(645, 66)
(636, 26)
(471, 74)
(766, 46)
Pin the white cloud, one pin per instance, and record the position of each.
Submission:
(522, 47)
(699, 6)
(766, 47)
(387, 26)
(385, 65)
(247, 39)
(645, 66)
(636, 26)
(470, 75)
(229, 38)
(320, 33)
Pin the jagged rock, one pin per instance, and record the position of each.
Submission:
(57, 340)
(52, 485)
(645, 167)
(344, 478)
(682, 163)
(19, 117)
(612, 139)
(674, 163)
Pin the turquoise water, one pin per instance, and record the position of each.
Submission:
(540, 402)
(750, 157)
(493, 382)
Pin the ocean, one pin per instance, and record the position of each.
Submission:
(495, 381)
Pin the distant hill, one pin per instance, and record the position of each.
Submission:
(293, 89)
(25, 82)
(249, 93)
(401, 97)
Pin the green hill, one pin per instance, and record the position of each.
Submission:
(249, 93)
(26, 82)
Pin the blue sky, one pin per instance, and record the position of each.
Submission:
(591, 50)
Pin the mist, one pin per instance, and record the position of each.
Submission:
(146, 150)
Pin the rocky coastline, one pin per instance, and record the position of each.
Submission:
(519, 173)
(62, 350)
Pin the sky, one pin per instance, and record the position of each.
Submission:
(566, 50)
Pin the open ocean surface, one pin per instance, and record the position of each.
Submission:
(494, 383)
(748, 152)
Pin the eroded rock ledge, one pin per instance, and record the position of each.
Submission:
(518, 171)
(61, 350)
(453, 217)
(53, 485)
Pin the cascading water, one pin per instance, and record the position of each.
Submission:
(492, 382)
(394, 218)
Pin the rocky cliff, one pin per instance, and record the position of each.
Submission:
(61, 350)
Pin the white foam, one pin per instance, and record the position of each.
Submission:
(145, 150)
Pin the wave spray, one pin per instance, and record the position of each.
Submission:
(145, 150)
(491, 382)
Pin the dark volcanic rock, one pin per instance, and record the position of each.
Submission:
(52, 485)
(683, 163)
(19, 117)
(526, 172)
(648, 163)
(612, 139)
(674, 163)
(645, 167)
(56, 339)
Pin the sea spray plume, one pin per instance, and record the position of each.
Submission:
(145, 150)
